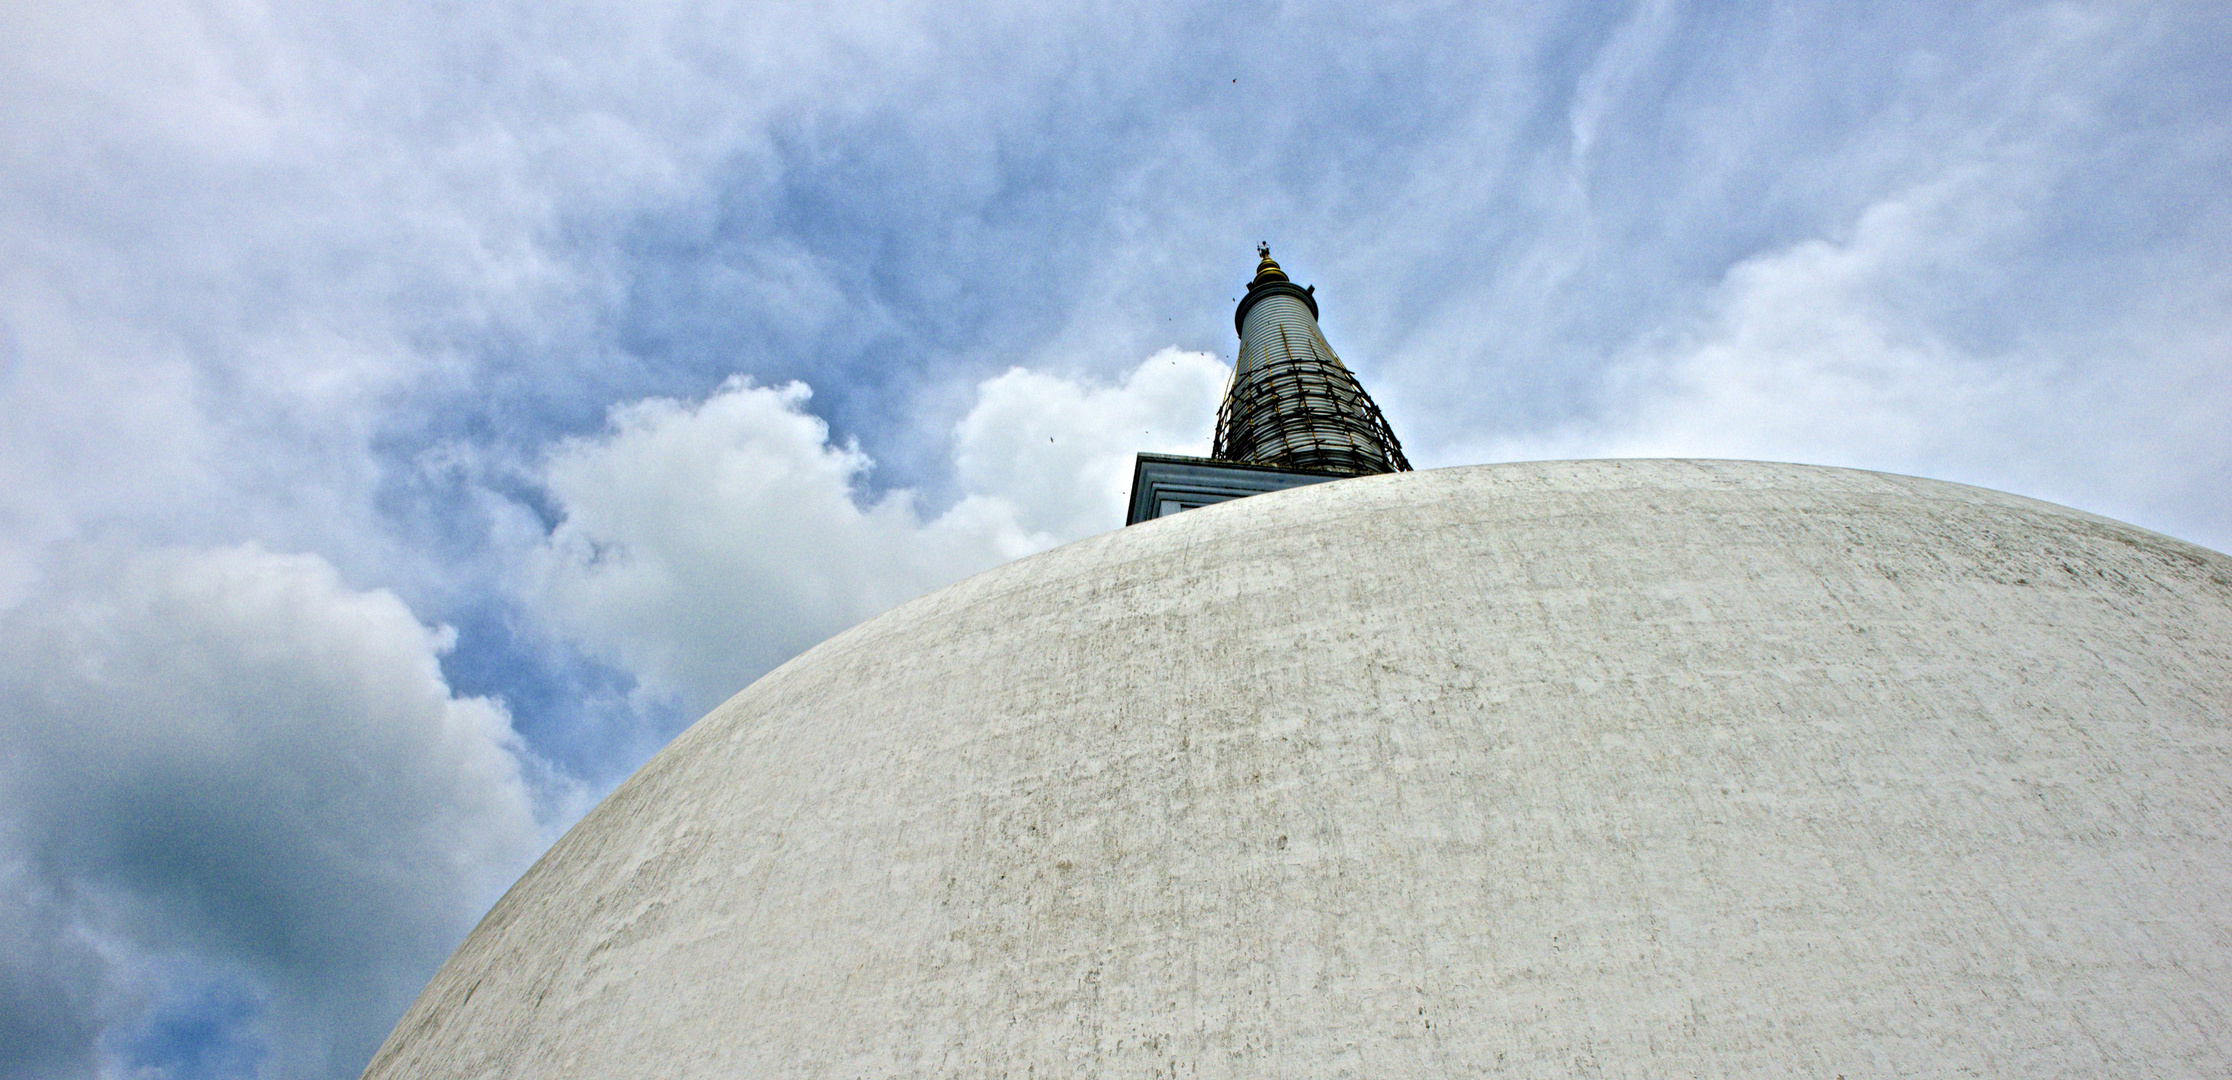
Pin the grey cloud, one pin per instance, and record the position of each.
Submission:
(228, 754)
(50, 982)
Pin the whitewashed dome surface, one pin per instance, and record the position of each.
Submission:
(1638, 768)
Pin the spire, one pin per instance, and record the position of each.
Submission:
(1292, 403)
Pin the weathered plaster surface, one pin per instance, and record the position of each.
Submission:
(1603, 769)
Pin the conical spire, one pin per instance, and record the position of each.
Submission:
(1292, 403)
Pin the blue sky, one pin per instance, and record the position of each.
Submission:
(416, 414)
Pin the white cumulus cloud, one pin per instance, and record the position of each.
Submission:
(1060, 450)
(705, 542)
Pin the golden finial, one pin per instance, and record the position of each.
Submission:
(1267, 270)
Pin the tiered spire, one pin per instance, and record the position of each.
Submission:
(1292, 403)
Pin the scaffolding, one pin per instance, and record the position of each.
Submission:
(1291, 402)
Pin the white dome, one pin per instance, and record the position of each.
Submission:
(1641, 768)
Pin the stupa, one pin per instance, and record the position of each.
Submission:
(1599, 768)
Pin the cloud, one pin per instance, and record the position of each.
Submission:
(1876, 347)
(245, 813)
(1807, 355)
(703, 543)
(1059, 449)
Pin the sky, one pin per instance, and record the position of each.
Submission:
(417, 414)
